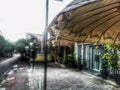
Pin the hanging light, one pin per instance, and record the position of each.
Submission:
(97, 47)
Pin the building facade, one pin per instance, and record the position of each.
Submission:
(90, 54)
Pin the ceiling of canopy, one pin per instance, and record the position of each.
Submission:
(96, 21)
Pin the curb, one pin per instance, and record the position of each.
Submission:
(99, 78)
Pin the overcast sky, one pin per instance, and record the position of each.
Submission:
(18, 17)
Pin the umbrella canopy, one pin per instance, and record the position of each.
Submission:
(62, 43)
(96, 21)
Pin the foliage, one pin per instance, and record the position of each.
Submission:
(110, 58)
(9, 48)
(6, 47)
(71, 60)
(20, 45)
(79, 60)
(114, 61)
(71, 57)
(105, 61)
(109, 47)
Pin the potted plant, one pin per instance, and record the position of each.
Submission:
(114, 67)
(71, 60)
(104, 65)
(80, 65)
(114, 61)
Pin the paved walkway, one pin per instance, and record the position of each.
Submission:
(58, 79)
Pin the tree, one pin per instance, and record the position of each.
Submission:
(9, 48)
(2, 45)
(20, 45)
(6, 47)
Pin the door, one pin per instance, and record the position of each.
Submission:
(94, 59)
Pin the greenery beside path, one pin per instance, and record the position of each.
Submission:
(6, 47)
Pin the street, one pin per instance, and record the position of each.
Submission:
(8, 63)
(58, 78)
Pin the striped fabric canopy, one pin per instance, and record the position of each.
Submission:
(96, 21)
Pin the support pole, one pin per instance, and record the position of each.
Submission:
(46, 48)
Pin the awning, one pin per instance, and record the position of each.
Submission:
(61, 42)
(96, 21)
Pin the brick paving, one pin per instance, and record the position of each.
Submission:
(18, 81)
(58, 79)
(15, 80)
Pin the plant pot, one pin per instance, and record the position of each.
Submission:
(74, 65)
(117, 78)
(80, 67)
(104, 74)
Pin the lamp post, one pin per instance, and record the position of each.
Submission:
(33, 53)
(27, 50)
(45, 44)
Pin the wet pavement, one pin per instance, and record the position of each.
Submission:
(7, 63)
(25, 78)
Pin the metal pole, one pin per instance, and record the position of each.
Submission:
(45, 42)
(33, 55)
(33, 63)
